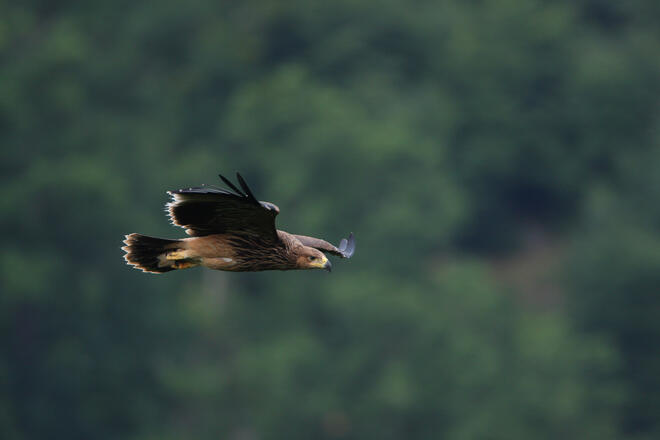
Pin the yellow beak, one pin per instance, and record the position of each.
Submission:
(322, 263)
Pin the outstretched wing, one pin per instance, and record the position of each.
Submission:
(210, 210)
(345, 249)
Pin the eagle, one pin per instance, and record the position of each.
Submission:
(229, 230)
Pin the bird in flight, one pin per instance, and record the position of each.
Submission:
(229, 230)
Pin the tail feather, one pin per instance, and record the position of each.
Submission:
(149, 254)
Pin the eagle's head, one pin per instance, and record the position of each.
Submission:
(310, 258)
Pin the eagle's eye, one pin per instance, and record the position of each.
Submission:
(312, 258)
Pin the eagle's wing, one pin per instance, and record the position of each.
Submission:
(345, 249)
(210, 210)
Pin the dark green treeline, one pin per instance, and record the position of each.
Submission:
(498, 161)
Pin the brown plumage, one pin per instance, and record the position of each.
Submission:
(230, 230)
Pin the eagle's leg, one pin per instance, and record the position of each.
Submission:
(185, 264)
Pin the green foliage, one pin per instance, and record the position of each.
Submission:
(446, 356)
(440, 133)
(613, 275)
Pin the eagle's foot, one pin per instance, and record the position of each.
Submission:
(176, 255)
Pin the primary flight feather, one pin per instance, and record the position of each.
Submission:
(230, 230)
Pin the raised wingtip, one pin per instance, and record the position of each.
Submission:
(347, 247)
(350, 247)
(245, 187)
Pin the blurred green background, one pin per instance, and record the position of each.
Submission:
(498, 161)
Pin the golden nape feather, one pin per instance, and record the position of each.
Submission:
(229, 230)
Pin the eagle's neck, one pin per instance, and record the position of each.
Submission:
(254, 253)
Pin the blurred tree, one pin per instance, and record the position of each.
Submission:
(448, 356)
(613, 279)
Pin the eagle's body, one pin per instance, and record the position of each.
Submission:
(229, 231)
(242, 252)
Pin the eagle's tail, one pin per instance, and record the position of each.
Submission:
(155, 255)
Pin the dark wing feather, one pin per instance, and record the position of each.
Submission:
(209, 210)
(245, 187)
(345, 250)
(231, 185)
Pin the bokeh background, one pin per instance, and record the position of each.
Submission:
(498, 161)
